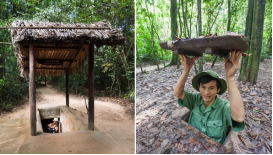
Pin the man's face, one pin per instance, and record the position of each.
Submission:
(208, 91)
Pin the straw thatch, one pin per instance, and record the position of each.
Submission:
(68, 45)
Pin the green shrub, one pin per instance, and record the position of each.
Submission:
(11, 91)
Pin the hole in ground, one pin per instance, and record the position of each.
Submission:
(186, 117)
(45, 123)
(68, 122)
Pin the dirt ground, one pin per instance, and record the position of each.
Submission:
(114, 129)
(157, 109)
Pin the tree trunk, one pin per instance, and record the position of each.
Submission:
(174, 27)
(158, 37)
(249, 19)
(252, 68)
(191, 18)
(2, 66)
(229, 17)
(139, 61)
(152, 39)
(152, 34)
(257, 36)
(199, 20)
(180, 20)
(185, 16)
(269, 43)
(213, 22)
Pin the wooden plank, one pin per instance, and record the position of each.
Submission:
(59, 69)
(91, 115)
(45, 80)
(65, 61)
(67, 87)
(52, 49)
(75, 57)
(217, 45)
(32, 89)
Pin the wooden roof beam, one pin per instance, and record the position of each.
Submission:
(75, 57)
(60, 69)
(65, 61)
(52, 49)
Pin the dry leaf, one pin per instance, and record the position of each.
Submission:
(151, 141)
(265, 116)
(210, 141)
(193, 141)
(139, 148)
(157, 144)
(266, 112)
(164, 143)
(242, 141)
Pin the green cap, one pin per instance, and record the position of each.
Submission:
(223, 87)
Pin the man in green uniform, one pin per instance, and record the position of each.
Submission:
(210, 114)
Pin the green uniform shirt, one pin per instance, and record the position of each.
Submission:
(213, 121)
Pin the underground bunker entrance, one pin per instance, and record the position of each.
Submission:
(46, 116)
(45, 123)
(186, 117)
(68, 122)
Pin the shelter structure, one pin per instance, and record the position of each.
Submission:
(54, 49)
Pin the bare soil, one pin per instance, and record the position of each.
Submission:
(114, 128)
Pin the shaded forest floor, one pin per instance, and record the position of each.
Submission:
(154, 98)
(114, 127)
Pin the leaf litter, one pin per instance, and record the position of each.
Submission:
(159, 129)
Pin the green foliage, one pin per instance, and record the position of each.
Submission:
(130, 96)
(118, 78)
(143, 37)
(209, 10)
(267, 32)
(12, 87)
(11, 90)
(116, 70)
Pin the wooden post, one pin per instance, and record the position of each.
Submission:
(32, 90)
(45, 80)
(91, 115)
(67, 87)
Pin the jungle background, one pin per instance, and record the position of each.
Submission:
(114, 67)
(162, 20)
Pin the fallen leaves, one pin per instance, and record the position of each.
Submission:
(193, 141)
(160, 130)
(245, 141)
(164, 143)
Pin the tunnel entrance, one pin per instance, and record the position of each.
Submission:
(186, 115)
(45, 123)
(68, 122)
(46, 116)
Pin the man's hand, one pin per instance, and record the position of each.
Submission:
(232, 64)
(179, 87)
(187, 62)
(236, 101)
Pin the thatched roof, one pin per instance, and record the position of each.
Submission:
(66, 44)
